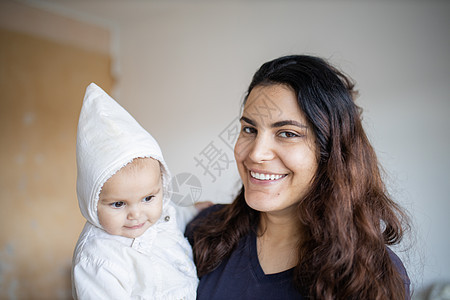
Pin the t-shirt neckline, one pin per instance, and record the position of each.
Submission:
(256, 266)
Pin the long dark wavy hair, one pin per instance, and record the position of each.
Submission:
(348, 217)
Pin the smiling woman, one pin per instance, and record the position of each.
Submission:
(313, 219)
(275, 155)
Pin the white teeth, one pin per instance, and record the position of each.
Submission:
(261, 176)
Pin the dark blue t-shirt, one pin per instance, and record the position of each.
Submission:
(241, 276)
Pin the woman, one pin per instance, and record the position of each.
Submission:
(313, 219)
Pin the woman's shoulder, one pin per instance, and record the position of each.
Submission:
(398, 264)
(192, 225)
(400, 269)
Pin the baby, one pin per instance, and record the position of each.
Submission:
(131, 246)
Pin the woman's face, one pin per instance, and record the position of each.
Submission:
(275, 152)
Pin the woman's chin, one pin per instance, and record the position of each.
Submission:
(261, 202)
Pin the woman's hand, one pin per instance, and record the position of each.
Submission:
(202, 205)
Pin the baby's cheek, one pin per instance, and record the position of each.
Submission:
(106, 220)
(157, 214)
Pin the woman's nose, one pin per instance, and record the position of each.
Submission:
(261, 149)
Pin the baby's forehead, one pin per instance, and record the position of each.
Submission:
(141, 163)
(138, 167)
(144, 171)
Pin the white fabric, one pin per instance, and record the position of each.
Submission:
(185, 214)
(156, 265)
(108, 138)
(113, 267)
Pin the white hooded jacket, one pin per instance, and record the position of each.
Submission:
(155, 265)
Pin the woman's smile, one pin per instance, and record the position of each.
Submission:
(266, 176)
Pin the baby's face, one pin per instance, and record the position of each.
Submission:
(131, 200)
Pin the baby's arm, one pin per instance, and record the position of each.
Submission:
(100, 280)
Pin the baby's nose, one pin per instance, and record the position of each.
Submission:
(133, 213)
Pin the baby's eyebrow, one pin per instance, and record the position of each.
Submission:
(153, 193)
(109, 200)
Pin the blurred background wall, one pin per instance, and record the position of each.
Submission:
(181, 69)
(46, 62)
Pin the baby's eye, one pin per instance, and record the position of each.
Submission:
(148, 198)
(118, 204)
(288, 134)
(248, 130)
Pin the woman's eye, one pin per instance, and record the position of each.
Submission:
(118, 204)
(248, 130)
(288, 134)
(148, 198)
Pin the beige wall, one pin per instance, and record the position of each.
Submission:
(42, 83)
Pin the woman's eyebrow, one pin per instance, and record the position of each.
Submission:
(276, 124)
(288, 122)
(247, 120)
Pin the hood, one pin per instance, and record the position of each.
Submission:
(108, 138)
